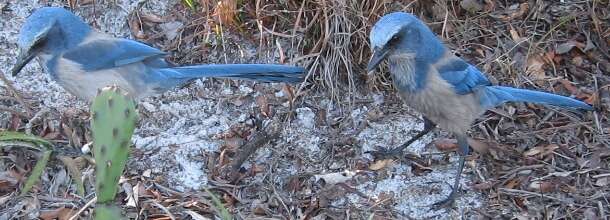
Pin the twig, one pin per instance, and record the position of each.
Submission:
(37, 117)
(258, 139)
(518, 191)
(163, 208)
(530, 167)
(81, 210)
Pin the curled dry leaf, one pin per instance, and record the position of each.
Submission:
(446, 144)
(263, 103)
(149, 17)
(513, 183)
(535, 67)
(334, 178)
(59, 213)
(565, 47)
(479, 146)
(483, 186)
(541, 151)
(514, 34)
(602, 182)
(542, 186)
(380, 164)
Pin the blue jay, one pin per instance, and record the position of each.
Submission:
(448, 91)
(82, 60)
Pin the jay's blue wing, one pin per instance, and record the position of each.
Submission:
(105, 53)
(462, 76)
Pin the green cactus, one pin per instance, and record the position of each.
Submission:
(113, 120)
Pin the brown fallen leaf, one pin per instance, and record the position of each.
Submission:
(513, 183)
(446, 144)
(514, 34)
(568, 85)
(59, 213)
(263, 104)
(535, 67)
(479, 146)
(542, 186)
(541, 151)
(380, 164)
(483, 186)
(149, 17)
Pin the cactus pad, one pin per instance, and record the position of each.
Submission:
(113, 120)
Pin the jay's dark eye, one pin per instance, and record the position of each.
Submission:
(394, 39)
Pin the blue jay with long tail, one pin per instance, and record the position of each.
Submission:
(447, 90)
(82, 60)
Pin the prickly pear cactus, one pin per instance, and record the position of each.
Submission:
(113, 119)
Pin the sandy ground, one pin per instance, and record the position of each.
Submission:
(178, 129)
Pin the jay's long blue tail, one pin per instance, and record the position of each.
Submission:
(495, 95)
(257, 72)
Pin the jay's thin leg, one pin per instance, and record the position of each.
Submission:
(463, 151)
(385, 153)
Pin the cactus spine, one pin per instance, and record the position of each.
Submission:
(113, 120)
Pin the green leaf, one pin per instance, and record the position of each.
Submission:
(36, 172)
(190, 3)
(224, 213)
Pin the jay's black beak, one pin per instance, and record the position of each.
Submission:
(378, 56)
(24, 58)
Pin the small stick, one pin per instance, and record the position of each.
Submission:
(81, 210)
(258, 139)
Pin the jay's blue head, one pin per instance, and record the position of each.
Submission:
(47, 31)
(403, 33)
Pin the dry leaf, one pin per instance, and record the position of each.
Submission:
(542, 186)
(196, 216)
(568, 85)
(602, 182)
(446, 144)
(60, 214)
(149, 17)
(535, 67)
(483, 186)
(334, 178)
(479, 146)
(513, 183)
(542, 151)
(263, 103)
(565, 47)
(514, 34)
(471, 5)
(380, 164)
